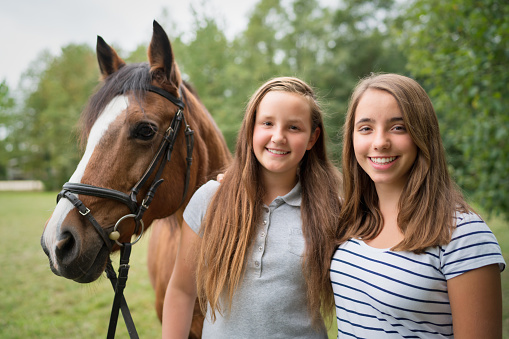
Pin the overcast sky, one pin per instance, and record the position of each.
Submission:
(29, 26)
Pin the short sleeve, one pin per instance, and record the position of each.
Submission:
(472, 246)
(197, 207)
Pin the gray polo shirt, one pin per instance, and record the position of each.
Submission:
(271, 299)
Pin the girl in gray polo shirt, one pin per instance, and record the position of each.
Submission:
(252, 248)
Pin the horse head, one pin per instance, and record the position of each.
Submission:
(136, 165)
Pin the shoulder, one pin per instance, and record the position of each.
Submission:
(197, 206)
(204, 193)
(472, 245)
(210, 185)
(470, 227)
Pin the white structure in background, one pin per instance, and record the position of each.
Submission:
(21, 185)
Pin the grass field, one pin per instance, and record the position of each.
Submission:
(34, 303)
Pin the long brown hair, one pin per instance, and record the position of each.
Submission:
(227, 236)
(429, 199)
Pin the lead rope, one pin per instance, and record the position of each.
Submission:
(119, 301)
(118, 284)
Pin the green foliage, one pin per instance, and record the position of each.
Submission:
(360, 42)
(46, 125)
(205, 62)
(6, 122)
(138, 55)
(460, 50)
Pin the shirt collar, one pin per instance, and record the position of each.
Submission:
(294, 197)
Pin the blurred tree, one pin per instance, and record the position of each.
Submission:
(256, 56)
(204, 61)
(460, 51)
(259, 50)
(59, 87)
(7, 105)
(361, 41)
(329, 48)
(138, 55)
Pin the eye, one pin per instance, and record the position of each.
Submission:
(399, 128)
(364, 129)
(144, 131)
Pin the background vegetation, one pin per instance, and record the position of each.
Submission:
(458, 50)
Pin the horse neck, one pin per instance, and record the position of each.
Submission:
(211, 153)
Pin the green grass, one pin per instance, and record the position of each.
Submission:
(501, 229)
(34, 303)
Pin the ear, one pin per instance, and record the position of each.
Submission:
(109, 61)
(161, 60)
(313, 138)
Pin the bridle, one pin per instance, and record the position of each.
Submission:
(131, 200)
(157, 165)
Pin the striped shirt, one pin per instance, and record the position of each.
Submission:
(381, 293)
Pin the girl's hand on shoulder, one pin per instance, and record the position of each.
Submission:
(220, 177)
(476, 303)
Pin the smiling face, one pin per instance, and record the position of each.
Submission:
(382, 145)
(282, 132)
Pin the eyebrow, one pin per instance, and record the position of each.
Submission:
(291, 120)
(395, 119)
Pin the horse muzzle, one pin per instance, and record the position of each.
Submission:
(75, 251)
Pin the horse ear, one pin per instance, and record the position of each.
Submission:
(160, 56)
(109, 61)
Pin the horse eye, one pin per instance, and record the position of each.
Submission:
(144, 131)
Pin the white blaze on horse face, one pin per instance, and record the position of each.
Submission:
(111, 112)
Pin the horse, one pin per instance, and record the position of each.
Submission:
(131, 129)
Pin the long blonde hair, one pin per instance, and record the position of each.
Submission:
(430, 198)
(227, 236)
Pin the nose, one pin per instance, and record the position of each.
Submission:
(67, 253)
(278, 136)
(381, 141)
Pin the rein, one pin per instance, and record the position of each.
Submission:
(157, 165)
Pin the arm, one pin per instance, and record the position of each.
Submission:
(181, 291)
(476, 303)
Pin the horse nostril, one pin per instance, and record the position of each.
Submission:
(66, 249)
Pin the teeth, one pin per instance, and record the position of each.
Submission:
(382, 160)
(276, 151)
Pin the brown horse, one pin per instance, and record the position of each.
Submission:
(125, 125)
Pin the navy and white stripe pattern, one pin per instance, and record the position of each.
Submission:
(384, 294)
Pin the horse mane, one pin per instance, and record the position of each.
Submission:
(133, 77)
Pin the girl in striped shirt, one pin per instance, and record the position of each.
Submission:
(412, 260)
